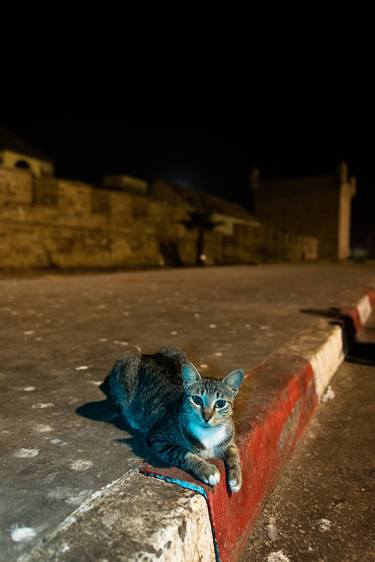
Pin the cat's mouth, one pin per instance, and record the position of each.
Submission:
(209, 423)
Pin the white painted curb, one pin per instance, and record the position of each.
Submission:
(327, 360)
(330, 354)
(364, 309)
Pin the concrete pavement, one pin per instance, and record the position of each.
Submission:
(60, 334)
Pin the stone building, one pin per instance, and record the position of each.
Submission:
(311, 206)
(16, 153)
(52, 222)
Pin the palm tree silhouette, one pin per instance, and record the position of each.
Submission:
(201, 222)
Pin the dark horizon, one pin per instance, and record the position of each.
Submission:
(210, 159)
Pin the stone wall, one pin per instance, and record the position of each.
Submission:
(266, 244)
(69, 224)
(50, 222)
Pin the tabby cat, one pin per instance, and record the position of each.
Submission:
(186, 418)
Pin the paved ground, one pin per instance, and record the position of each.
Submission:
(60, 335)
(323, 507)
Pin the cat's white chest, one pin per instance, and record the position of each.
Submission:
(210, 437)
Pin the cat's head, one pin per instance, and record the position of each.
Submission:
(209, 401)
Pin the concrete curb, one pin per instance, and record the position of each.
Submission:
(274, 406)
(132, 519)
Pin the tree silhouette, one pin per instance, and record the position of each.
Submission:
(201, 222)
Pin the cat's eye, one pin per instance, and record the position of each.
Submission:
(220, 403)
(197, 400)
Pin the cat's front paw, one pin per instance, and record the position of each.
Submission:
(209, 474)
(235, 479)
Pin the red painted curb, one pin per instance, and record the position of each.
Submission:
(274, 406)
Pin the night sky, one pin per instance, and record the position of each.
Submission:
(213, 159)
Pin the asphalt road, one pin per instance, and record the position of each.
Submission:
(323, 507)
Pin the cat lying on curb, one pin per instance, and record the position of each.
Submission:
(186, 418)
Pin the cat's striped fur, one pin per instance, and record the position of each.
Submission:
(186, 418)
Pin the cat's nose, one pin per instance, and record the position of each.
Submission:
(207, 415)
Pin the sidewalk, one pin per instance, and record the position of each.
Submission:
(61, 334)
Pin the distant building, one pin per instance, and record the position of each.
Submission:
(51, 222)
(16, 153)
(126, 183)
(311, 206)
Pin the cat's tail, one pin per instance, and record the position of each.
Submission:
(120, 381)
(111, 385)
(105, 387)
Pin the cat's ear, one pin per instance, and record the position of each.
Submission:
(234, 379)
(189, 374)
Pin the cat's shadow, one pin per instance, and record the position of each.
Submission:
(103, 411)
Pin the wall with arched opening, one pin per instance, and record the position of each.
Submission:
(22, 164)
(38, 167)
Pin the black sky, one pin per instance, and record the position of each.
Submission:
(216, 159)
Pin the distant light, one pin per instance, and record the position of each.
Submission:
(183, 181)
